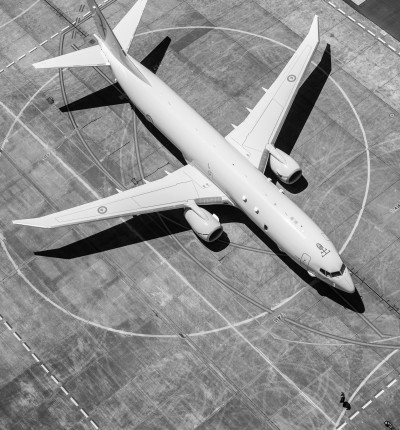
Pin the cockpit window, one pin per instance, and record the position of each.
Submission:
(333, 274)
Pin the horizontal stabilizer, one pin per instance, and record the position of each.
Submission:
(92, 56)
(125, 30)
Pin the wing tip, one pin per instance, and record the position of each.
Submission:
(33, 222)
(314, 29)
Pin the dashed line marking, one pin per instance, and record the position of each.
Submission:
(351, 18)
(26, 346)
(392, 47)
(45, 368)
(342, 426)
(367, 404)
(361, 25)
(86, 14)
(354, 415)
(17, 336)
(392, 383)
(1, 318)
(382, 41)
(371, 33)
(332, 4)
(9, 65)
(33, 49)
(64, 391)
(21, 57)
(84, 413)
(7, 325)
(2, 70)
(379, 394)
(41, 44)
(73, 401)
(55, 379)
(63, 29)
(35, 357)
(94, 425)
(342, 11)
(54, 35)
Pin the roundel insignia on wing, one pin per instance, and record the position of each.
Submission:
(102, 210)
(291, 78)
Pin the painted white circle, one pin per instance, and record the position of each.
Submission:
(102, 210)
(291, 78)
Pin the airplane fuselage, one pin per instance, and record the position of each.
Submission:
(248, 189)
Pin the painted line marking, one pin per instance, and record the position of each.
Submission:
(35, 357)
(86, 14)
(8, 325)
(392, 383)
(55, 379)
(1, 318)
(33, 49)
(360, 25)
(342, 11)
(371, 32)
(392, 47)
(21, 57)
(381, 40)
(54, 35)
(367, 404)
(73, 401)
(64, 28)
(379, 394)
(45, 368)
(64, 391)
(17, 336)
(2, 70)
(9, 65)
(26, 346)
(342, 426)
(41, 44)
(354, 415)
(332, 4)
(351, 18)
(84, 413)
(94, 424)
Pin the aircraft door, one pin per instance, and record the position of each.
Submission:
(305, 260)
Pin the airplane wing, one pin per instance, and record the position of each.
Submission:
(172, 191)
(255, 136)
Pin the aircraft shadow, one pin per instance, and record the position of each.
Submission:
(299, 113)
(149, 226)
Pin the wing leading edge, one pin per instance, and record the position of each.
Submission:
(172, 191)
(256, 135)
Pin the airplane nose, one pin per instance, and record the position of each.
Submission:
(345, 283)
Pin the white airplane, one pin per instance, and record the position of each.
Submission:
(226, 170)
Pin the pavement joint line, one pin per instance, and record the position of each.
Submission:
(367, 404)
(73, 401)
(7, 325)
(354, 415)
(83, 413)
(94, 424)
(17, 336)
(26, 346)
(378, 394)
(391, 383)
(35, 357)
(55, 379)
(44, 368)
(64, 391)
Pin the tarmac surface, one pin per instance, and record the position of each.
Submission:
(139, 325)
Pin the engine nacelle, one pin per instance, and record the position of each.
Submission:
(285, 167)
(205, 225)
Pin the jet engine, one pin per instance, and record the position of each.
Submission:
(204, 224)
(285, 167)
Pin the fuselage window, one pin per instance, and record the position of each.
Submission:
(265, 227)
(334, 274)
